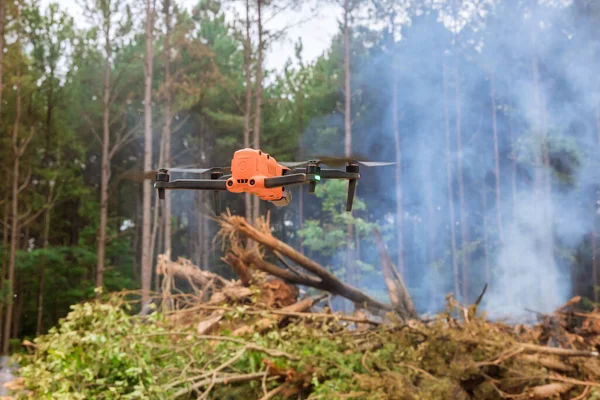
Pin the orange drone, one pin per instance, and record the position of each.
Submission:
(256, 172)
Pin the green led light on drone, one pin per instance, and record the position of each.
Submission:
(317, 177)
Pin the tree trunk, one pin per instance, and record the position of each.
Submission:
(42, 278)
(431, 229)
(147, 197)
(5, 233)
(464, 233)
(6, 206)
(449, 168)
(351, 274)
(105, 169)
(167, 124)
(248, 107)
(2, 25)
(488, 274)
(595, 252)
(258, 95)
(513, 171)
(595, 263)
(17, 152)
(497, 161)
(18, 307)
(205, 236)
(399, 212)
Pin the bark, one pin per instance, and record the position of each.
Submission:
(184, 269)
(350, 256)
(248, 107)
(326, 280)
(167, 125)
(464, 234)
(147, 196)
(549, 391)
(450, 186)
(488, 273)
(496, 160)
(2, 25)
(258, 95)
(398, 166)
(17, 152)
(399, 296)
(595, 272)
(105, 166)
(19, 306)
(5, 233)
(42, 278)
(595, 252)
(513, 169)
(431, 228)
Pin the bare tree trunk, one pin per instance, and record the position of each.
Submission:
(351, 274)
(248, 108)
(399, 212)
(205, 236)
(258, 95)
(19, 306)
(595, 252)
(513, 172)
(42, 278)
(595, 276)
(147, 197)
(496, 160)
(6, 206)
(105, 168)
(450, 186)
(2, 25)
(17, 152)
(488, 274)
(431, 230)
(5, 233)
(461, 190)
(167, 127)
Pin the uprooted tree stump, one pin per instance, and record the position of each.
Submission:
(316, 276)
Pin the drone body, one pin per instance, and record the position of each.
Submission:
(249, 169)
(256, 172)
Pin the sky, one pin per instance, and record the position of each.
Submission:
(316, 31)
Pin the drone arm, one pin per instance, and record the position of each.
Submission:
(292, 179)
(192, 184)
(338, 174)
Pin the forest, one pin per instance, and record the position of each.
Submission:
(489, 109)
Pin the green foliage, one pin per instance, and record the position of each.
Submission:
(100, 351)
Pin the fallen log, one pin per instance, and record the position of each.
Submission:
(399, 297)
(231, 225)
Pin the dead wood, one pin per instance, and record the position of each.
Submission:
(232, 225)
(239, 268)
(549, 391)
(185, 269)
(268, 322)
(558, 351)
(548, 362)
(401, 301)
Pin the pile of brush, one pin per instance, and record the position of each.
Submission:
(256, 338)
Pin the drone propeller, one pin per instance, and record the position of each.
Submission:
(336, 162)
(139, 176)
